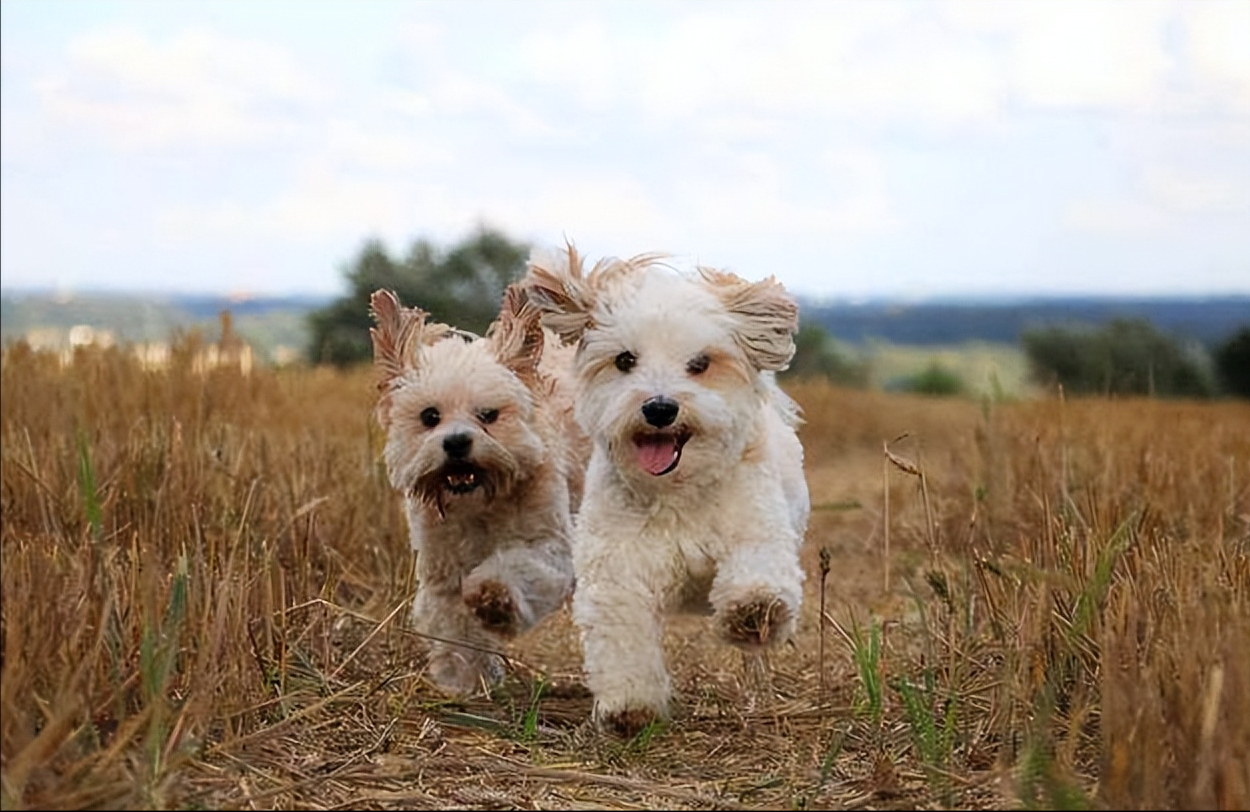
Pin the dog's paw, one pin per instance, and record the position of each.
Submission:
(756, 623)
(628, 722)
(463, 673)
(491, 603)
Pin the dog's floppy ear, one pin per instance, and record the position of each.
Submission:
(557, 286)
(517, 335)
(767, 316)
(395, 338)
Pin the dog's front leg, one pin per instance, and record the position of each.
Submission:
(757, 593)
(461, 660)
(618, 613)
(519, 585)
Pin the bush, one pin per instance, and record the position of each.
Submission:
(817, 355)
(936, 380)
(1126, 357)
(1232, 363)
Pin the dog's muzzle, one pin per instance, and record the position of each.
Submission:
(461, 477)
(659, 451)
(660, 411)
(457, 446)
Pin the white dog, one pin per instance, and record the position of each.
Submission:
(695, 493)
(480, 441)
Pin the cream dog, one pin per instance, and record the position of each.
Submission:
(481, 442)
(695, 493)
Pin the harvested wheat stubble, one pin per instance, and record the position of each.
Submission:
(203, 575)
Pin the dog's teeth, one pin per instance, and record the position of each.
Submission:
(462, 480)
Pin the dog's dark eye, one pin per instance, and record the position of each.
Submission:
(430, 417)
(698, 364)
(488, 416)
(625, 361)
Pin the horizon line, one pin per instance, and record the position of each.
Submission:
(68, 292)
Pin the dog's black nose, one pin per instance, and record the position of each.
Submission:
(660, 411)
(457, 445)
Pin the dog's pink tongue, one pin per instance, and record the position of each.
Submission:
(657, 454)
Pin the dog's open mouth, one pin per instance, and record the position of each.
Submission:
(659, 452)
(440, 487)
(461, 477)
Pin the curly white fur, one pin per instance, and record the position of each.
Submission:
(695, 495)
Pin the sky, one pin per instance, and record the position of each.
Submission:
(854, 149)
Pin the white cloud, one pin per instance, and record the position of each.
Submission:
(1159, 201)
(380, 145)
(407, 103)
(860, 61)
(842, 194)
(195, 88)
(879, 132)
(321, 206)
(1142, 57)
(1218, 42)
(585, 58)
(606, 212)
(857, 176)
(194, 61)
(327, 204)
(453, 84)
(873, 62)
(1103, 54)
(1184, 192)
(1116, 216)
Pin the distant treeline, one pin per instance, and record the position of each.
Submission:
(1207, 320)
(1188, 347)
(1142, 347)
(143, 317)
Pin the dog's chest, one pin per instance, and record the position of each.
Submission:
(697, 559)
(690, 552)
(691, 547)
(467, 533)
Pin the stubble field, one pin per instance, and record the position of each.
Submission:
(206, 578)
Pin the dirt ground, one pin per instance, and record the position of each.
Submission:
(785, 734)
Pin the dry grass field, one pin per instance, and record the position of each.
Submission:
(1035, 604)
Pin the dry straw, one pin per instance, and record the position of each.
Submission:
(204, 574)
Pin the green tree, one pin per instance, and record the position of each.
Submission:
(1232, 363)
(936, 379)
(461, 286)
(1125, 357)
(816, 354)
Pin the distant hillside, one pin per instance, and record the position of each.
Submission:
(1207, 320)
(274, 326)
(277, 326)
